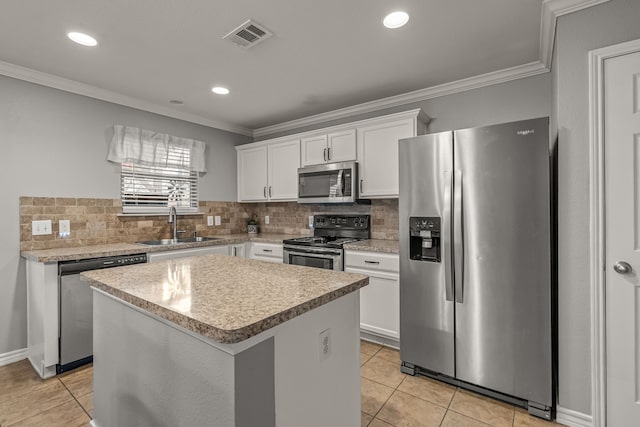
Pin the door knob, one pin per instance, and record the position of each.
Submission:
(622, 267)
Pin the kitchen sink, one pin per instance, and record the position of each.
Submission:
(177, 241)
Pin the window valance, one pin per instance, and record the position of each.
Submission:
(149, 148)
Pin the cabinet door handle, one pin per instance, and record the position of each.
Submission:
(371, 262)
(235, 253)
(269, 191)
(361, 185)
(329, 153)
(267, 250)
(264, 191)
(324, 154)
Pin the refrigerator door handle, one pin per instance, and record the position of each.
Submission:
(446, 238)
(458, 237)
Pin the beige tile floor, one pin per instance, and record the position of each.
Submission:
(26, 400)
(389, 398)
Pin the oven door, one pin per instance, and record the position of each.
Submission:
(330, 183)
(308, 256)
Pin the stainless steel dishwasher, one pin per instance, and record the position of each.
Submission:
(75, 334)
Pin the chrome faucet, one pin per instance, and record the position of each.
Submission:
(173, 220)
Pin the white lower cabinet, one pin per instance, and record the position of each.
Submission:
(238, 249)
(270, 252)
(183, 253)
(380, 300)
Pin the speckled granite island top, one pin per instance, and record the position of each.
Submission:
(227, 299)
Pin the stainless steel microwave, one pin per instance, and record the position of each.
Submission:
(328, 183)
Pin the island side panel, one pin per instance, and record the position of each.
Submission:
(255, 389)
(147, 373)
(311, 390)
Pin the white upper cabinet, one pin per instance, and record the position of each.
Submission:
(378, 152)
(284, 161)
(329, 148)
(268, 171)
(252, 174)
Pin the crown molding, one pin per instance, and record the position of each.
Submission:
(475, 82)
(67, 85)
(551, 10)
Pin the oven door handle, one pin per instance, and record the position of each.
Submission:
(316, 251)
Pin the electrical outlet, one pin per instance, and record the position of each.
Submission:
(325, 344)
(310, 221)
(266, 219)
(39, 228)
(64, 228)
(218, 221)
(209, 220)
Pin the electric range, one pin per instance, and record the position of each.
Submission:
(324, 248)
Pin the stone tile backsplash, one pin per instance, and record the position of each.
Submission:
(99, 221)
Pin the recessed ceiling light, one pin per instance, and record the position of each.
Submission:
(220, 90)
(396, 19)
(176, 102)
(83, 39)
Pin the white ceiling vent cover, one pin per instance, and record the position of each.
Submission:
(248, 34)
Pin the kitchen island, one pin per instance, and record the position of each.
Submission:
(223, 341)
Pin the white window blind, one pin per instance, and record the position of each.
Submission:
(157, 170)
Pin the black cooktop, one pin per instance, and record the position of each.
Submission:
(335, 230)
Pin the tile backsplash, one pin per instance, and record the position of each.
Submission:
(99, 221)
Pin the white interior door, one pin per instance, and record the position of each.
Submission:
(622, 247)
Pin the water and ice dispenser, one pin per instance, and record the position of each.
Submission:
(425, 238)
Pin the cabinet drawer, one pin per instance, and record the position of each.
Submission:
(372, 261)
(269, 250)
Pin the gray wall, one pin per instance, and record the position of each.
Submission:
(516, 100)
(576, 34)
(54, 144)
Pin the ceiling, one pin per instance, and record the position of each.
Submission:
(324, 55)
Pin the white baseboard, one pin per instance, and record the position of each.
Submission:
(573, 418)
(13, 356)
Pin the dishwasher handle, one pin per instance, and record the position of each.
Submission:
(66, 268)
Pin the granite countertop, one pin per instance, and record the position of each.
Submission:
(374, 245)
(114, 249)
(97, 251)
(227, 299)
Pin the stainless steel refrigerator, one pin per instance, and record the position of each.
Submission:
(475, 262)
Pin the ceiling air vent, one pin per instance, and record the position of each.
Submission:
(248, 34)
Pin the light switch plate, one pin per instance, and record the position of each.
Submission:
(218, 221)
(266, 219)
(310, 221)
(64, 228)
(42, 227)
(210, 220)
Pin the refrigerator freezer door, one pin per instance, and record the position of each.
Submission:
(503, 325)
(426, 315)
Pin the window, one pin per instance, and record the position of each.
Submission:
(152, 189)
(157, 170)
